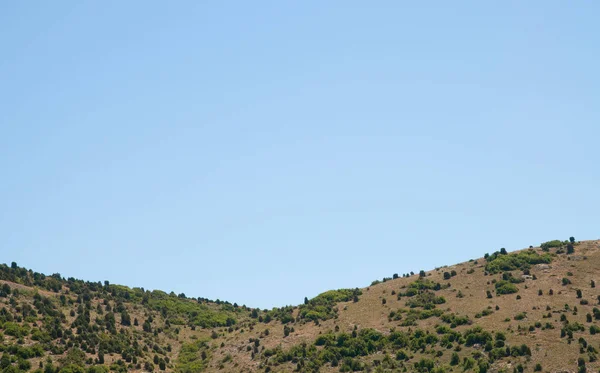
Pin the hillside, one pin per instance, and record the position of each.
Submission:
(536, 309)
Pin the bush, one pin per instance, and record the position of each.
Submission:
(322, 306)
(521, 260)
(520, 316)
(455, 359)
(427, 300)
(193, 357)
(505, 287)
(546, 246)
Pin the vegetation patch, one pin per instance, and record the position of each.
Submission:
(194, 357)
(509, 262)
(505, 287)
(322, 307)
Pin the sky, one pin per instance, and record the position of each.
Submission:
(260, 152)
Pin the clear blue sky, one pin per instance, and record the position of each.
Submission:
(261, 152)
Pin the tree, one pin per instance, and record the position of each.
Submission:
(447, 276)
(100, 356)
(593, 283)
(125, 318)
(579, 295)
(5, 291)
(305, 300)
(421, 273)
(148, 366)
(503, 251)
(570, 248)
(4, 361)
(395, 276)
(572, 239)
(455, 360)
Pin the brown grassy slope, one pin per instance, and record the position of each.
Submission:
(548, 349)
(229, 351)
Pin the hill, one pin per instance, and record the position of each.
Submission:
(536, 309)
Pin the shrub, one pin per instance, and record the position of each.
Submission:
(322, 306)
(455, 359)
(521, 260)
(520, 316)
(505, 287)
(193, 357)
(427, 300)
(546, 246)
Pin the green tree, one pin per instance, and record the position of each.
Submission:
(100, 356)
(5, 291)
(455, 359)
(125, 318)
(4, 361)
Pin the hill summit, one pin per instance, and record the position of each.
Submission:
(532, 310)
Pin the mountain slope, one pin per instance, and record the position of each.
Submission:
(530, 310)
